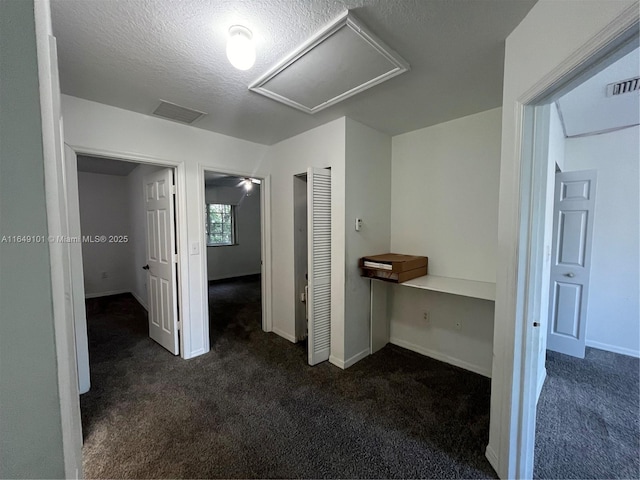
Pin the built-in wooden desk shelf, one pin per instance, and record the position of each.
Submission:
(454, 286)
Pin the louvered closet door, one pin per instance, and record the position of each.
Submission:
(319, 263)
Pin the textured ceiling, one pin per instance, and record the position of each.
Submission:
(131, 53)
(587, 109)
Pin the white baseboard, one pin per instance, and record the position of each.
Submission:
(137, 297)
(336, 361)
(613, 348)
(195, 353)
(343, 364)
(291, 338)
(441, 356)
(491, 455)
(105, 294)
(356, 358)
(541, 380)
(234, 275)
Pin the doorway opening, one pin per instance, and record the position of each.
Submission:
(534, 243)
(110, 223)
(233, 257)
(589, 339)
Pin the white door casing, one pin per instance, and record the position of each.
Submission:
(573, 214)
(77, 272)
(319, 264)
(161, 259)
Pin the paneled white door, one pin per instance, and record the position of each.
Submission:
(319, 264)
(574, 205)
(161, 259)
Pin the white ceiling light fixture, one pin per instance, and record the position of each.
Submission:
(248, 182)
(240, 49)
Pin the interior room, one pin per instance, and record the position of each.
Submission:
(233, 236)
(299, 138)
(591, 374)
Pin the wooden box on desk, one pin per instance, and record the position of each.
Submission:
(393, 267)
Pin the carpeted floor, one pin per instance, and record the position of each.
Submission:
(588, 413)
(253, 408)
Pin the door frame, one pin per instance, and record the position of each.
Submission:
(513, 408)
(182, 289)
(265, 245)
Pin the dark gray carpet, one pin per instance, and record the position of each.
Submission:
(253, 408)
(587, 425)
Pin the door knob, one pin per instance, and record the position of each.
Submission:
(570, 274)
(146, 267)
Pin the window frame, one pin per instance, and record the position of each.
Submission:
(233, 222)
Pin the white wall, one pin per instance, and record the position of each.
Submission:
(92, 127)
(459, 332)
(367, 196)
(321, 147)
(31, 441)
(551, 34)
(244, 257)
(445, 195)
(613, 313)
(104, 210)
(445, 206)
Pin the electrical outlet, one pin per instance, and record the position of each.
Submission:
(426, 317)
(104, 275)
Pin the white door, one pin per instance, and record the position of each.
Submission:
(77, 271)
(161, 259)
(319, 264)
(574, 202)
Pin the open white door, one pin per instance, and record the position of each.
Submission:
(77, 271)
(319, 264)
(161, 259)
(574, 203)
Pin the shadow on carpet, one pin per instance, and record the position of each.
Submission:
(253, 408)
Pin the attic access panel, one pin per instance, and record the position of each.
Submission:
(344, 59)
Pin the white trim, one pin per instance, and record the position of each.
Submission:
(333, 360)
(492, 457)
(349, 361)
(59, 253)
(441, 357)
(345, 20)
(267, 280)
(181, 234)
(139, 300)
(613, 348)
(541, 379)
(285, 335)
(356, 358)
(107, 294)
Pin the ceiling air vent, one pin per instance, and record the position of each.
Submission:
(174, 112)
(625, 86)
